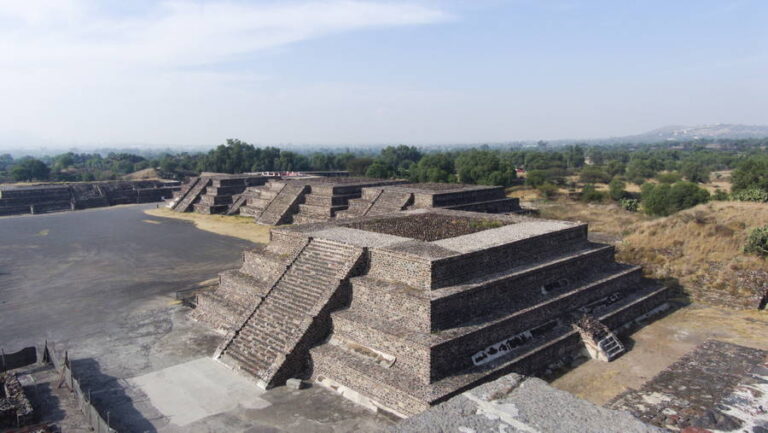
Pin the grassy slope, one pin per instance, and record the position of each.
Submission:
(700, 247)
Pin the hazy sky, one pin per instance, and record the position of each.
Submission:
(88, 72)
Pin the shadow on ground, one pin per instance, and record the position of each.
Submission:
(109, 396)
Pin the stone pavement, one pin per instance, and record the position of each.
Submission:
(522, 404)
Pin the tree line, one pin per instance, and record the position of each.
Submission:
(669, 173)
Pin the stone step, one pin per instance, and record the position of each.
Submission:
(305, 219)
(283, 206)
(297, 295)
(386, 386)
(251, 364)
(277, 326)
(304, 282)
(258, 203)
(205, 209)
(242, 284)
(250, 211)
(185, 203)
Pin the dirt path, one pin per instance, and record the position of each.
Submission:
(235, 226)
(658, 345)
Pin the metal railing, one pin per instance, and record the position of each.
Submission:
(98, 423)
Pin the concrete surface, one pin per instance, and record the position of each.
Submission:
(101, 283)
(68, 276)
(194, 390)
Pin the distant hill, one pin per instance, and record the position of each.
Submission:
(687, 133)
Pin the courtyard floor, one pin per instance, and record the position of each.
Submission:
(101, 284)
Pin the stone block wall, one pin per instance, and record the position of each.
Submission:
(458, 269)
(454, 354)
(520, 289)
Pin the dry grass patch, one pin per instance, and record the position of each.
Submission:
(604, 218)
(702, 247)
(235, 226)
(524, 193)
(661, 343)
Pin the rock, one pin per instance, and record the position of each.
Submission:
(294, 383)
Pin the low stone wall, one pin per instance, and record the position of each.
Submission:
(444, 199)
(455, 353)
(458, 269)
(520, 290)
(86, 195)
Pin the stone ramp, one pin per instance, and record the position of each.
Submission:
(281, 208)
(273, 342)
(389, 202)
(186, 200)
(237, 203)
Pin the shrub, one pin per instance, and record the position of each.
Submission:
(667, 199)
(751, 194)
(536, 178)
(669, 177)
(720, 195)
(616, 189)
(593, 174)
(590, 194)
(752, 173)
(630, 204)
(548, 190)
(694, 172)
(757, 242)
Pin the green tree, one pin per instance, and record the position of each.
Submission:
(638, 170)
(484, 167)
(378, 170)
(669, 177)
(30, 169)
(615, 168)
(751, 173)
(616, 189)
(694, 171)
(433, 167)
(654, 198)
(358, 166)
(593, 174)
(536, 178)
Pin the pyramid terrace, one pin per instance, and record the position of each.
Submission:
(402, 311)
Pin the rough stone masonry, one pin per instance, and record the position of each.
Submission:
(401, 322)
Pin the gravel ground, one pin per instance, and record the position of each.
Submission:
(427, 227)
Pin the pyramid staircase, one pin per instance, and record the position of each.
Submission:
(272, 341)
(281, 208)
(376, 201)
(238, 201)
(189, 195)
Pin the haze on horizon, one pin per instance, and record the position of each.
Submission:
(342, 72)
